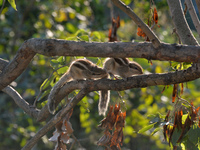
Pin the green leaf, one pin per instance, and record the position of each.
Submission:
(156, 130)
(84, 38)
(146, 128)
(71, 28)
(81, 32)
(95, 36)
(61, 59)
(193, 134)
(71, 38)
(62, 70)
(127, 2)
(54, 63)
(12, 3)
(46, 83)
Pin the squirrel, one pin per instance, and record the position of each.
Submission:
(122, 67)
(79, 69)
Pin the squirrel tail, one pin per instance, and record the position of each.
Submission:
(104, 100)
(52, 103)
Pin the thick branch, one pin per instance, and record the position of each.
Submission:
(21, 102)
(141, 81)
(53, 47)
(193, 15)
(16, 66)
(55, 119)
(154, 39)
(166, 52)
(180, 23)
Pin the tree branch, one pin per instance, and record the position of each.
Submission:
(53, 47)
(56, 119)
(198, 5)
(21, 102)
(193, 15)
(19, 63)
(180, 23)
(154, 39)
(139, 81)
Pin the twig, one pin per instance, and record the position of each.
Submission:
(21, 102)
(174, 31)
(185, 101)
(2, 6)
(72, 145)
(77, 141)
(193, 15)
(154, 39)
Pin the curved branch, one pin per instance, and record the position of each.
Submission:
(55, 119)
(139, 81)
(21, 102)
(193, 15)
(154, 39)
(16, 66)
(53, 47)
(180, 23)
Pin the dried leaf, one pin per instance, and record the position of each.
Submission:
(167, 116)
(199, 122)
(175, 88)
(55, 136)
(179, 119)
(140, 32)
(105, 139)
(182, 87)
(112, 36)
(117, 138)
(186, 128)
(64, 138)
(163, 89)
(155, 16)
(165, 132)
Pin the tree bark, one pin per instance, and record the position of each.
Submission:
(53, 47)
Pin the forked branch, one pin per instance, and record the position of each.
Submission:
(154, 39)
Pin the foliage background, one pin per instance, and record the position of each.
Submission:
(88, 21)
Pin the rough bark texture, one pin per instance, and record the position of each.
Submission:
(53, 47)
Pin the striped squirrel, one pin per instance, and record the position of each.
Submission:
(122, 67)
(79, 69)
